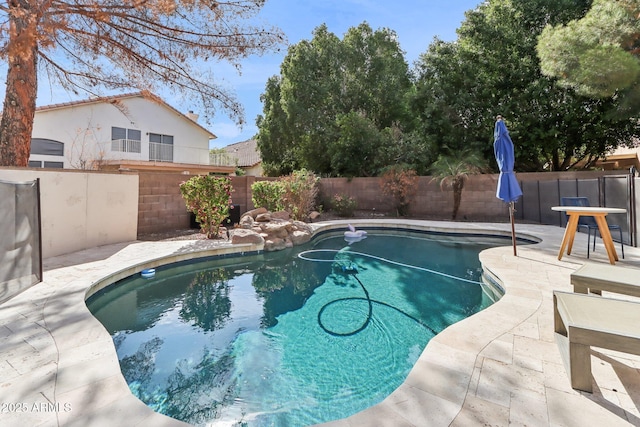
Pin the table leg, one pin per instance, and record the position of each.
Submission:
(606, 238)
(574, 219)
(569, 234)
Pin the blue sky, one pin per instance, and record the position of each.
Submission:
(416, 23)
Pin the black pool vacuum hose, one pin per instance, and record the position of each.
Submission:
(351, 269)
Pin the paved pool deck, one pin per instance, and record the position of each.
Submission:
(500, 367)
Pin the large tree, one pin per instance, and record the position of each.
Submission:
(334, 106)
(599, 54)
(90, 45)
(493, 69)
(276, 146)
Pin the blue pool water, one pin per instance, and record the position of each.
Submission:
(292, 338)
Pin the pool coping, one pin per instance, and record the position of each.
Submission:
(48, 336)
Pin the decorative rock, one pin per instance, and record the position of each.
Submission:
(313, 215)
(263, 217)
(246, 221)
(299, 237)
(275, 229)
(299, 225)
(241, 235)
(255, 212)
(274, 244)
(223, 233)
(283, 215)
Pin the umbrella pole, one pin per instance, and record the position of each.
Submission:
(513, 229)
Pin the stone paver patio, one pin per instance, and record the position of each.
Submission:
(500, 367)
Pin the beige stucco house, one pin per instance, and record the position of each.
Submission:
(247, 156)
(135, 131)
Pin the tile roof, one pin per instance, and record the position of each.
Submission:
(92, 100)
(246, 152)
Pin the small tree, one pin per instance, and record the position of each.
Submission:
(344, 205)
(268, 195)
(401, 183)
(453, 171)
(209, 198)
(82, 155)
(300, 192)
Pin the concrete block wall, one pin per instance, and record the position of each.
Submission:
(160, 205)
(242, 192)
(162, 208)
(478, 203)
(479, 200)
(478, 197)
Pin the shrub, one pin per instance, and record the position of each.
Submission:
(344, 205)
(300, 192)
(209, 198)
(400, 182)
(268, 195)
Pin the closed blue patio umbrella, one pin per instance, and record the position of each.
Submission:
(508, 188)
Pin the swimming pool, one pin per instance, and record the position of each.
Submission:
(291, 338)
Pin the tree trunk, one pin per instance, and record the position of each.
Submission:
(22, 85)
(457, 197)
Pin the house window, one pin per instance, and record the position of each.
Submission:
(45, 164)
(48, 147)
(54, 165)
(161, 139)
(125, 140)
(160, 147)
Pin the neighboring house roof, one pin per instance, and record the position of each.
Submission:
(622, 157)
(143, 166)
(246, 152)
(620, 161)
(116, 98)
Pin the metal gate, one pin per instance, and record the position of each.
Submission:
(21, 242)
(613, 191)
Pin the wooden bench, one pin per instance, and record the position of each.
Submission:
(582, 321)
(605, 277)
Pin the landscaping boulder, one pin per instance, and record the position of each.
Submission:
(303, 226)
(314, 215)
(246, 222)
(223, 233)
(274, 244)
(255, 212)
(242, 235)
(299, 237)
(283, 215)
(263, 217)
(276, 230)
